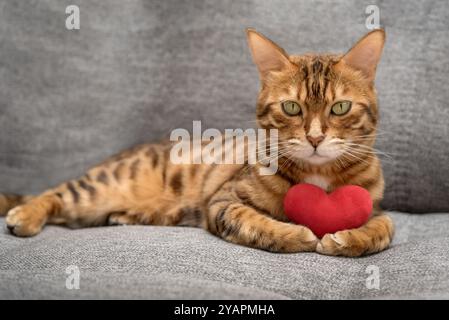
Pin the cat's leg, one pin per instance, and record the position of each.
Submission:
(60, 206)
(372, 237)
(157, 212)
(243, 224)
(122, 219)
(137, 186)
(82, 202)
(9, 201)
(29, 218)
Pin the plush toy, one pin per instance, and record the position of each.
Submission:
(347, 207)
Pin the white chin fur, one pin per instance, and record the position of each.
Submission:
(312, 158)
(317, 160)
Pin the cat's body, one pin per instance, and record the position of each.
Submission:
(236, 202)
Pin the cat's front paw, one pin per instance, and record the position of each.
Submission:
(374, 236)
(342, 243)
(120, 219)
(23, 222)
(309, 240)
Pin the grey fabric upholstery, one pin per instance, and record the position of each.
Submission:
(169, 262)
(138, 69)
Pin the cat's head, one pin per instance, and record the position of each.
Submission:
(324, 106)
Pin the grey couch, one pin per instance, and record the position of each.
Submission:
(138, 69)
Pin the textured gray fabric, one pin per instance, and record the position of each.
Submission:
(175, 262)
(138, 69)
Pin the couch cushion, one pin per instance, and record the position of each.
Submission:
(177, 263)
(138, 69)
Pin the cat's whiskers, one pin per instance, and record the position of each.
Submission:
(285, 152)
(363, 153)
(275, 156)
(269, 152)
(366, 154)
(339, 163)
(353, 156)
(287, 162)
(366, 149)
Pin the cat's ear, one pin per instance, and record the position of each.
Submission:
(267, 55)
(365, 54)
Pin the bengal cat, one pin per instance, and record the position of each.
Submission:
(325, 110)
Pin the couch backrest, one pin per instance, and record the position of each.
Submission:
(138, 69)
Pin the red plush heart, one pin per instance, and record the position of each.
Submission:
(347, 207)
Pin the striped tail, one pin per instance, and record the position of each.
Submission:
(9, 201)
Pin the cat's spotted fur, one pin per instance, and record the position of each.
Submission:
(235, 202)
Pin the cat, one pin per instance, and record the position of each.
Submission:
(324, 107)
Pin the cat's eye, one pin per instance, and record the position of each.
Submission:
(340, 108)
(291, 108)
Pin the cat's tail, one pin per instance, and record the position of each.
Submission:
(9, 201)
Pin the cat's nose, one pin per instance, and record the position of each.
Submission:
(315, 141)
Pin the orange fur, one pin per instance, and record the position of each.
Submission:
(235, 202)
